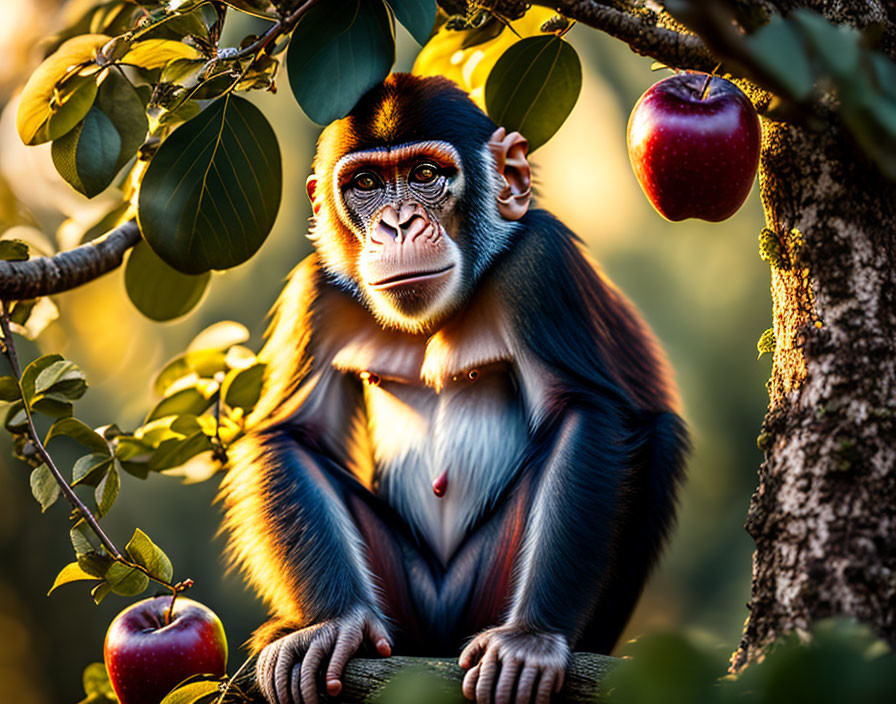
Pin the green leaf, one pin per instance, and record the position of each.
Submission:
(30, 317)
(202, 362)
(120, 102)
(194, 692)
(125, 580)
(72, 572)
(533, 87)
(175, 451)
(9, 389)
(33, 370)
(52, 406)
(79, 432)
(259, 8)
(14, 418)
(155, 53)
(158, 291)
(101, 591)
(79, 535)
(62, 378)
(95, 563)
(107, 490)
(96, 681)
(149, 555)
(13, 250)
(417, 16)
(339, 50)
(219, 336)
(837, 46)
(189, 400)
(86, 157)
(90, 469)
(44, 487)
(54, 99)
(242, 387)
(211, 193)
(778, 48)
(766, 343)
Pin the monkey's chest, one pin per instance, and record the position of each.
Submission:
(467, 439)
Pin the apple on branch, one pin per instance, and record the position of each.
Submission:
(147, 654)
(693, 140)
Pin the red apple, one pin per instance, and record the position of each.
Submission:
(147, 657)
(694, 152)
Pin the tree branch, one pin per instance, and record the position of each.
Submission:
(438, 679)
(43, 276)
(642, 31)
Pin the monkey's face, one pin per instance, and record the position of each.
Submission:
(415, 193)
(402, 205)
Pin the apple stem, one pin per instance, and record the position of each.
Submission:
(705, 88)
(170, 612)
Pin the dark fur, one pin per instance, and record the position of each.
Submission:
(602, 468)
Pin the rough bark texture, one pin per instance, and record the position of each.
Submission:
(43, 276)
(364, 680)
(824, 515)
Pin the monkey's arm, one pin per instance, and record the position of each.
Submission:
(611, 449)
(291, 531)
(288, 525)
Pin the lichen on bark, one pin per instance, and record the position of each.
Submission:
(824, 514)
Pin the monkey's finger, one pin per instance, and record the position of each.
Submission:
(488, 673)
(469, 685)
(472, 652)
(561, 678)
(379, 636)
(504, 689)
(294, 681)
(264, 674)
(526, 684)
(545, 687)
(310, 666)
(346, 645)
(287, 656)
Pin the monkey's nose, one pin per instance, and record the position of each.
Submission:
(399, 226)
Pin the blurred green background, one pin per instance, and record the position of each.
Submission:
(701, 286)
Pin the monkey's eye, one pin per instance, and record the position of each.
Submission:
(365, 181)
(424, 173)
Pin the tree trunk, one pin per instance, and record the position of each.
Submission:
(824, 514)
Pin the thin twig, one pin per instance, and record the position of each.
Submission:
(279, 28)
(9, 349)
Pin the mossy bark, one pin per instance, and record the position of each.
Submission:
(824, 514)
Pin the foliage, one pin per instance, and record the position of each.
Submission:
(142, 98)
(839, 662)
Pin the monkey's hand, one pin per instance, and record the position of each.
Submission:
(287, 669)
(501, 660)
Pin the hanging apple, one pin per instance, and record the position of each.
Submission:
(148, 654)
(693, 141)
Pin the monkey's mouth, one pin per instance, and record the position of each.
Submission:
(408, 277)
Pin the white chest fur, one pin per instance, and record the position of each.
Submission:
(426, 417)
(474, 431)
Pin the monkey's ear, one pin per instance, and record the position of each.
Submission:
(311, 189)
(509, 152)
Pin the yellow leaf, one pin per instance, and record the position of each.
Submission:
(445, 55)
(155, 53)
(55, 99)
(72, 572)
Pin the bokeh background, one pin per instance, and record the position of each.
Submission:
(701, 286)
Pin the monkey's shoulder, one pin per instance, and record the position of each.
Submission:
(575, 321)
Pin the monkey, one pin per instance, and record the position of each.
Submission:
(468, 441)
